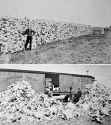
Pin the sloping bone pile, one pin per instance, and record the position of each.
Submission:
(19, 103)
(11, 39)
(97, 102)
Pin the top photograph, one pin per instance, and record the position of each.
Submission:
(55, 31)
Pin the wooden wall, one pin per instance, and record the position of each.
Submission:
(36, 80)
(66, 81)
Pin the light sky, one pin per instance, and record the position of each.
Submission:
(94, 12)
(102, 73)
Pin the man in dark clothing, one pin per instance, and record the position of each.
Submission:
(77, 96)
(70, 93)
(29, 32)
(66, 98)
(79, 92)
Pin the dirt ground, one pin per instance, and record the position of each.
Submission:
(85, 49)
(62, 122)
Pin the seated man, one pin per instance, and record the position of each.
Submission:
(77, 96)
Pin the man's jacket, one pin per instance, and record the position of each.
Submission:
(28, 32)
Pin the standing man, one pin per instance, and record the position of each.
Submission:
(70, 95)
(29, 32)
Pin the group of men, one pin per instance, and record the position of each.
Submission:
(73, 97)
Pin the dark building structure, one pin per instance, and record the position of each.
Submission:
(38, 79)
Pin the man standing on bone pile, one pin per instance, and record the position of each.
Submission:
(29, 32)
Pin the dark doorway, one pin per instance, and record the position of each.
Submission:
(54, 78)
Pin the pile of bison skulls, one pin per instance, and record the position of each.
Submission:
(20, 103)
(11, 29)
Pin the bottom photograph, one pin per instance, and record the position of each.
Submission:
(55, 94)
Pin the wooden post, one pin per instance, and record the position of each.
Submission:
(87, 75)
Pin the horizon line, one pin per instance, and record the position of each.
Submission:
(53, 20)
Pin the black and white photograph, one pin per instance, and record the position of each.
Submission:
(55, 31)
(55, 62)
(55, 94)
